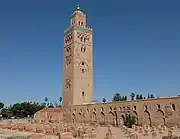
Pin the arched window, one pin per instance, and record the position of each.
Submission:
(81, 39)
(173, 107)
(84, 39)
(83, 49)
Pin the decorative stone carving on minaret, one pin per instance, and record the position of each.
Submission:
(78, 66)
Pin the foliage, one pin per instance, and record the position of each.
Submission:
(141, 97)
(137, 96)
(103, 100)
(124, 98)
(60, 99)
(129, 121)
(1, 105)
(45, 99)
(152, 96)
(21, 110)
(117, 97)
(132, 96)
(50, 105)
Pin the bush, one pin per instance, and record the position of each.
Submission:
(129, 121)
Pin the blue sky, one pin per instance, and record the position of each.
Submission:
(136, 47)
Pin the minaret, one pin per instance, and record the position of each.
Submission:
(78, 62)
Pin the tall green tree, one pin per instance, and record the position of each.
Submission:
(46, 99)
(125, 98)
(117, 97)
(60, 100)
(1, 105)
(140, 97)
(132, 96)
(137, 96)
(129, 121)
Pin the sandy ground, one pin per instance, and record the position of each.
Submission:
(101, 133)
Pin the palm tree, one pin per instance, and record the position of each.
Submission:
(132, 96)
(46, 100)
(125, 98)
(60, 99)
(104, 100)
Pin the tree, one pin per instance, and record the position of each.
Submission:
(46, 100)
(125, 98)
(137, 96)
(129, 121)
(141, 97)
(1, 105)
(132, 96)
(50, 105)
(152, 96)
(148, 96)
(117, 97)
(21, 110)
(104, 100)
(60, 99)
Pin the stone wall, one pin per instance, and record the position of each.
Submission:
(50, 115)
(147, 112)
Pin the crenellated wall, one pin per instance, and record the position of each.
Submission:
(150, 112)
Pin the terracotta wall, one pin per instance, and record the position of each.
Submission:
(149, 111)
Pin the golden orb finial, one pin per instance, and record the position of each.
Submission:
(78, 7)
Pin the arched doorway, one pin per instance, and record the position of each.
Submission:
(147, 118)
(73, 117)
(93, 117)
(160, 120)
(87, 116)
(111, 118)
(80, 117)
(116, 123)
(102, 118)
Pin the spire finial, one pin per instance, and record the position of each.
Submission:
(78, 7)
